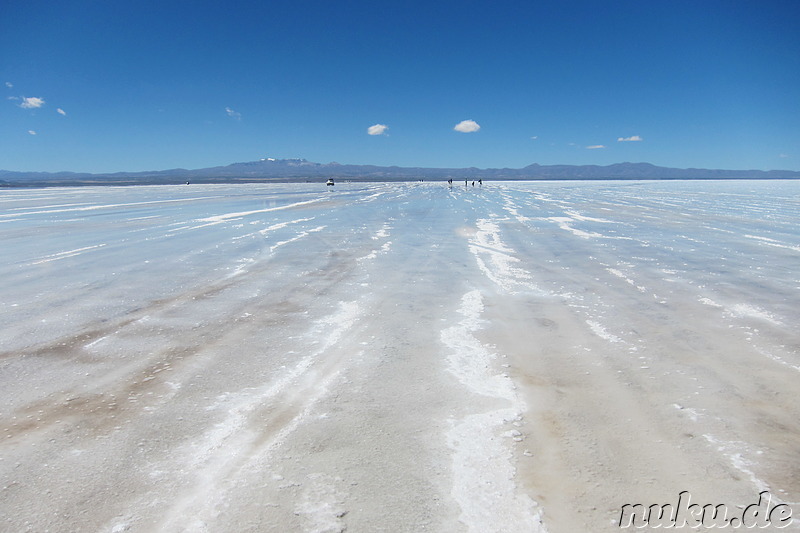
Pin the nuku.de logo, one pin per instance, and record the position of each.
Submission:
(761, 514)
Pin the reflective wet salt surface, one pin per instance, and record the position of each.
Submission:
(512, 357)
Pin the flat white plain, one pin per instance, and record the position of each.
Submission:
(522, 356)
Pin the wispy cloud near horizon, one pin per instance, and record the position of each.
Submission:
(630, 139)
(61, 112)
(233, 114)
(595, 147)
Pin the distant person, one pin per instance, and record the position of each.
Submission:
(480, 182)
(473, 183)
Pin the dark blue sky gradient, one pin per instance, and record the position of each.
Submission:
(145, 85)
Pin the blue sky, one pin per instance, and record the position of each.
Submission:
(103, 86)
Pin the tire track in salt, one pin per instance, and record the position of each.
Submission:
(258, 421)
(254, 425)
(483, 465)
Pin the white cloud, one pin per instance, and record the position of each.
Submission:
(61, 112)
(9, 84)
(377, 129)
(32, 132)
(31, 103)
(783, 155)
(233, 114)
(534, 137)
(467, 126)
(629, 139)
(595, 147)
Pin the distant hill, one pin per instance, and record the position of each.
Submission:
(297, 170)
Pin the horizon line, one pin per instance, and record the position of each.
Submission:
(303, 160)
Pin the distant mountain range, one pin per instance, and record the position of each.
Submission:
(298, 170)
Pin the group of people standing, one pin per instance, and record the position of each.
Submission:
(466, 182)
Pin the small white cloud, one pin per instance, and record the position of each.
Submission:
(31, 103)
(9, 84)
(534, 137)
(467, 126)
(32, 132)
(61, 112)
(595, 147)
(233, 114)
(629, 139)
(783, 155)
(377, 129)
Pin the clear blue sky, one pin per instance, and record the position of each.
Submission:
(106, 85)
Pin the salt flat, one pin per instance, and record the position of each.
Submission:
(395, 357)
